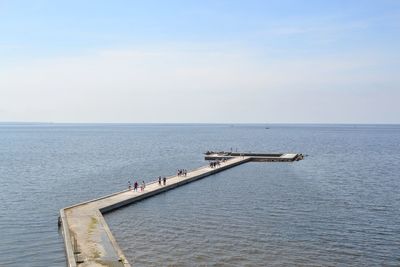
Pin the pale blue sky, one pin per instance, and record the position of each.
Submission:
(200, 61)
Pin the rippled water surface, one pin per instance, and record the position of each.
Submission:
(339, 206)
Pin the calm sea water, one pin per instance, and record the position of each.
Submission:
(338, 207)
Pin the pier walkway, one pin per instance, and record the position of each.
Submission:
(87, 237)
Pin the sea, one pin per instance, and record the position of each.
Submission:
(340, 206)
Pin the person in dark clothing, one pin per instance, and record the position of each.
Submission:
(159, 180)
(165, 180)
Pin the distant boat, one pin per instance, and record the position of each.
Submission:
(267, 128)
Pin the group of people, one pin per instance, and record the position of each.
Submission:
(164, 179)
(143, 184)
(214, 164)
(136, 186)
(182, 172)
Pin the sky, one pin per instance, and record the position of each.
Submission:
(200, 61)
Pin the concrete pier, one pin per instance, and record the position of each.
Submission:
(275, 157)
(87, 237)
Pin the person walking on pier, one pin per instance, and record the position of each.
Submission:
(135, 186)
(165, 180)
(129, 185)
(159, 180)
(143, 186)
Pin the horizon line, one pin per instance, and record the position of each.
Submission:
(195, 123)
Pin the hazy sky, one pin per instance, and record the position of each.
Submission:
(200, 61)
